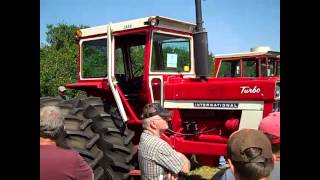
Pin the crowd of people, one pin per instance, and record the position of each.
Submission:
(251, 154)
(270, 127)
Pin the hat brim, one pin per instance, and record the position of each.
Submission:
(154, 109)
(165, 114)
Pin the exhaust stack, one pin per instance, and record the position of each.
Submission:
(200, 39)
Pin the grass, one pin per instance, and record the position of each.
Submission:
(202, 173)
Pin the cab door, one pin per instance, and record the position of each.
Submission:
(171, 56)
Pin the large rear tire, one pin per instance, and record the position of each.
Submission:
(115, 140)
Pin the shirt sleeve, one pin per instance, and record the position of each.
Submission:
(83, 170)
(169, 158)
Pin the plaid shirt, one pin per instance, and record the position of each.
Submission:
(156, 157)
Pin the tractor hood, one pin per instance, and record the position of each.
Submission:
(220, 89)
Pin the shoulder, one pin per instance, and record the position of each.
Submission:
(165, 149)
(164, 144)
(275, 173)
(74, 159)
(150, 143)
(72, 155)
(151, 139)
(161, 145)
(60, 152)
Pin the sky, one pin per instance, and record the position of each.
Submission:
(232, 25)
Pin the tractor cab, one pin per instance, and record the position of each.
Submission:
(130, 61)
(259, 62)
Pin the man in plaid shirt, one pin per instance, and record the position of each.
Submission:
(157, 159)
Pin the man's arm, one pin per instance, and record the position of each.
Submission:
(186, 163)
(172, 160)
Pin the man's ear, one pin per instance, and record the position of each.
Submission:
(153, 124)
(274, 158)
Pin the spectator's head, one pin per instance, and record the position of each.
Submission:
(51, 122)
(270, 126)
(62, 89)
(250, 155)
(155, 117)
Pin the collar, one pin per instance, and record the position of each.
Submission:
(150, 133)
(147, 132)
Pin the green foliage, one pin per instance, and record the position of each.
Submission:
(58, 59)
(137, 55)
(183, 57)
(119, 62)
(250, 71)
(203, 172)
(210, 64)
(95, 60)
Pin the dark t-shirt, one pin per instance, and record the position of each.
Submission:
(275, 174)
(225, 174)
(61, 164)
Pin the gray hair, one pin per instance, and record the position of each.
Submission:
(51, 122)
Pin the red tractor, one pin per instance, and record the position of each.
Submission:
(125, 65)
(261, 63)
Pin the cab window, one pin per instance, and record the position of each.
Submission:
(170, 53)
(229, 68)
(250, 67)
(94, 58)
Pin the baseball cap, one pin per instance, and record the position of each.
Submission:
(154, 109)
(271, 125)
(62, 88)
(243, 139)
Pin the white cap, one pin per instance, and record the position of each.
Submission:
(61, 89)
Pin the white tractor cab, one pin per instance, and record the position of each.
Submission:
(259, 62)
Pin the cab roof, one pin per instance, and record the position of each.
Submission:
(164, 22)
(245, 54)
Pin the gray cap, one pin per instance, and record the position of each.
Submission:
(154, 109)
(244, 139)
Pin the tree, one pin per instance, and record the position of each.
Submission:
(210, 64)
(58, 59)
